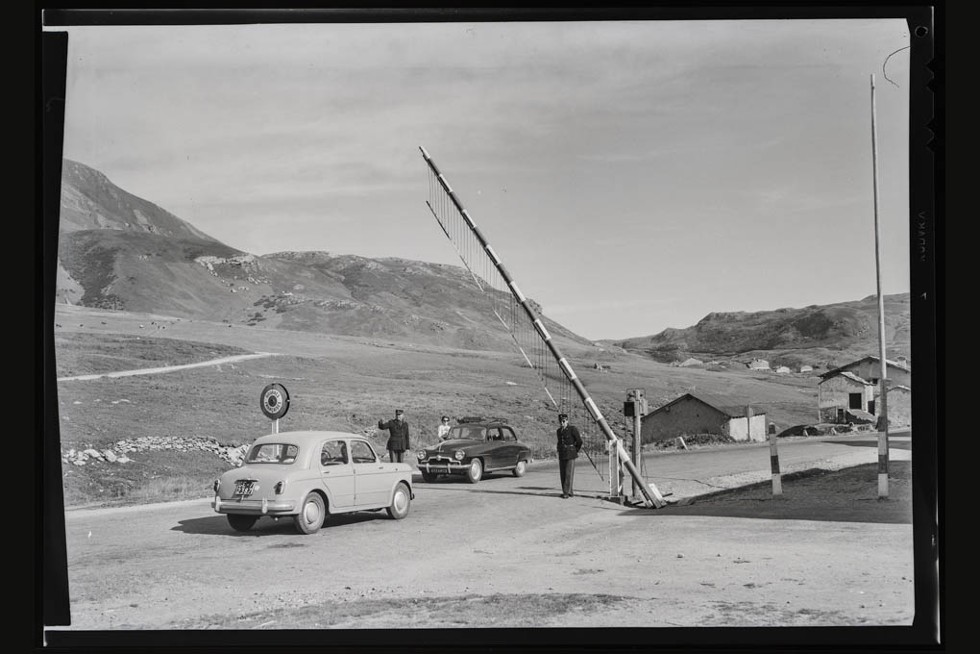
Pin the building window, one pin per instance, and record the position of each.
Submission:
(854, 401)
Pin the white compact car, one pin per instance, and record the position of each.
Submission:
(309, 474)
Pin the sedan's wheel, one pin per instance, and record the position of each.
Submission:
(310, 518)
(241, 522)
(475, 472)
(401, 502)
(429, 477)
(520, 468)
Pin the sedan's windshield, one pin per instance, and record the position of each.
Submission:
(467, 431)
(273, 453)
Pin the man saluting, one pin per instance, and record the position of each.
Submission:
(397, 436)
(569, 443)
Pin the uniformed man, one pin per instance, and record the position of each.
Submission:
(397, 436)
(569, 443)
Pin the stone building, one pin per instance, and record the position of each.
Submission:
(843, 397)
(701, 413)
(838, 390)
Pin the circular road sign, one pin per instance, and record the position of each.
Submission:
(274, 401)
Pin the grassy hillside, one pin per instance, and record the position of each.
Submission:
(335, 382)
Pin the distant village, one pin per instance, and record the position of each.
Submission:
(847, 398)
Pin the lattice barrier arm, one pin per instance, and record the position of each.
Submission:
(519, 317)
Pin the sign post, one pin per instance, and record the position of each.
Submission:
(274, 402)
(636, 407)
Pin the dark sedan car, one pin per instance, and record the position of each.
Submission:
(473, 447)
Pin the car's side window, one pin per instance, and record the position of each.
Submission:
(508, 434)
(361, 452)
(289, 453)
(333, 453)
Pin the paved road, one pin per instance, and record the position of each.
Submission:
(681, 475)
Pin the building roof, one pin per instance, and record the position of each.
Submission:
(844, 373)
(894, 364)
(733, 407)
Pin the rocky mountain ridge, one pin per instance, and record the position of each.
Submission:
(120, 252)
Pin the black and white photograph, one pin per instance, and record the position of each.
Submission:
(484, 327)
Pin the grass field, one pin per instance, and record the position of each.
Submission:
(340, 383)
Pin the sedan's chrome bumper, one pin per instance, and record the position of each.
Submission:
(250, 507)
(443, 467)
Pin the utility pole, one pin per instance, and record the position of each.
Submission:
(882, 362)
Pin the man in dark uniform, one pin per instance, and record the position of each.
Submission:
(569, 443)
(397, 436)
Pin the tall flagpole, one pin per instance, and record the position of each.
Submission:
(882, 362)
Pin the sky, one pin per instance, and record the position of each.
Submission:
(631, 175)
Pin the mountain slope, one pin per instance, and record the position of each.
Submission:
(120, 252)
(90, 201)
(814, 335)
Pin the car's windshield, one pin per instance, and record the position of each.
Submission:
(273, 453)
(467, 431)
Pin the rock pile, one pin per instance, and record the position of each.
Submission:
(118, 452)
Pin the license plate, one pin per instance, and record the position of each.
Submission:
(244, 487)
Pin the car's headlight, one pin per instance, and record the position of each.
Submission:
(279, 487)
(217, 485)
(421, 455)
(459, 455)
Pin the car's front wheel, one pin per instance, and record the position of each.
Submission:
(401, 502)
(520, 468)
(311, 515)
(475, 472)
(429, 477)
(241, 522)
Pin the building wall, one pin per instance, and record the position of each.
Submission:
(871, 371)
(899, 407)
(686, 417)
(743, 429)
(834, 393)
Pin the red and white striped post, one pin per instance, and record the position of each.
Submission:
(777, 479)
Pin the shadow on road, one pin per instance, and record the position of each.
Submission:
(848, 495)
(217, 525)
(892, 445)
(467, 488)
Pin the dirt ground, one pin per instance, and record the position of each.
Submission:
(508, 553)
